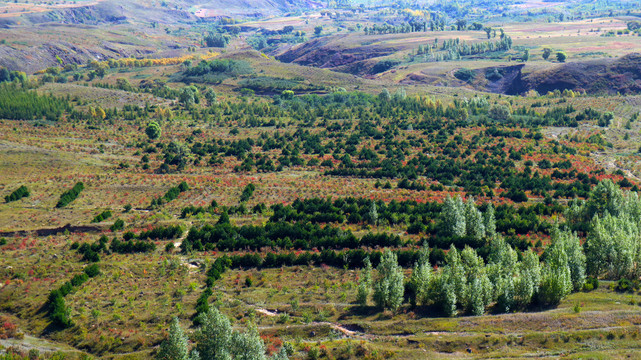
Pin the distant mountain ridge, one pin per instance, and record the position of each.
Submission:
(170, 11)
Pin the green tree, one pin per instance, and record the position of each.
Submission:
(224, 218)
(500, 112)
(385, 96)
(606, 196)
(443, 294)
(153, 130)
(556, 279)
(474, 224)
(453, 216)
(216, 340)
(421, 278)
(561, 56)
(210, 96)
(318, 30)
(479, 287)
(187, 96)
(488, 31)
(287, 94)
(5, 75)
(502, 266)
(217, 40)
(175, 346)
(60, 314)
(480, 292)
(365, 283)
(214, 337)
(529, 279)
(456, 277)
(248, 345)
(373, 213)
(489, 221)
(546, 53)
(389, 288)
(571, 245)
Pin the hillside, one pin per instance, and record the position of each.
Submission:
(603, 76)
(320, 180)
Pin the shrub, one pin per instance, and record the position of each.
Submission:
(493, 75)
(577, 308)
(247, 192)
(217, 40)
(624, 285)
(119, 224)
(591, 283)
(92, 270)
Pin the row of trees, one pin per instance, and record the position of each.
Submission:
(454, 49)
(129, 245)
(133, 62)
(17, 194)
(469, 284)
(215, 71)
(102, 216)
(70, 195)
(170, 195)
(57, 309)
(299, 235)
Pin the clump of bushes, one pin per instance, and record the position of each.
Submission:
(465, 74)
(591, 283)
(119, 224)
(626, 285)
